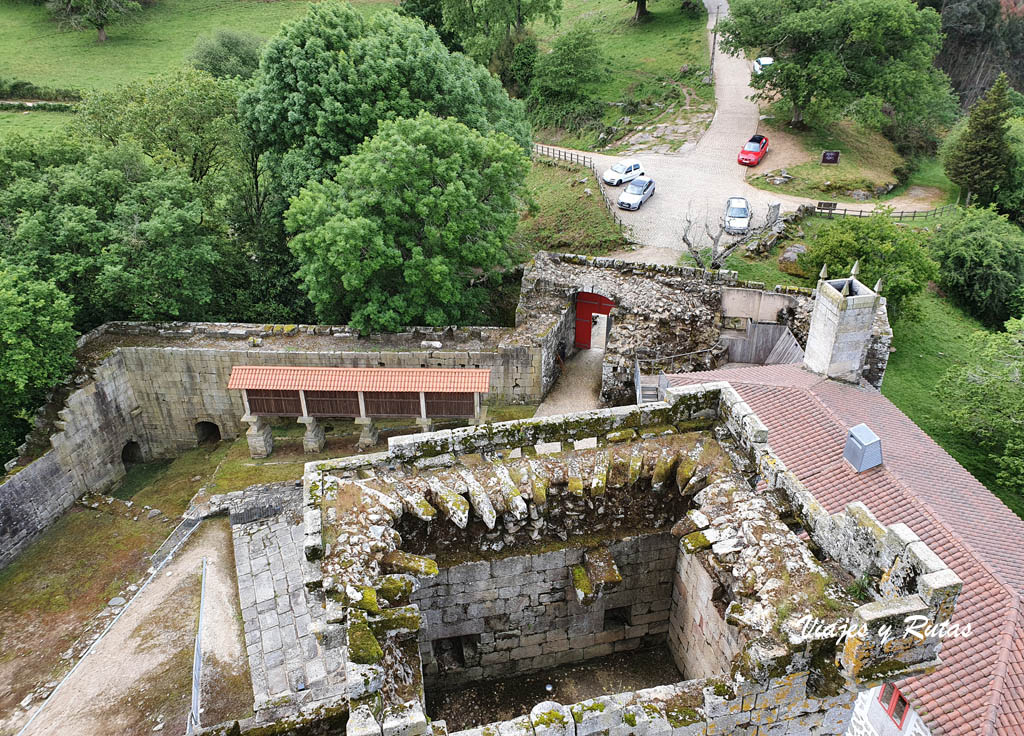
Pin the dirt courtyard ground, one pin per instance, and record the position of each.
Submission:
(139, 675)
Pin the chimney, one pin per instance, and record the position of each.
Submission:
(844, 310)
(863, 448)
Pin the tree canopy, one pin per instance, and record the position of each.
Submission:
(489, 28)
(559, 87)
(37, 342)
(980, 159)
(98, 14)
(984, 396)
(227, 53)
(885, 251)
(411, 226)
(122, 236)
(981, 259)
(327, 80)
(833, 57)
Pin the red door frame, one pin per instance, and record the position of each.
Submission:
(587, 305)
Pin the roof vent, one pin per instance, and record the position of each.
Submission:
(863, 448)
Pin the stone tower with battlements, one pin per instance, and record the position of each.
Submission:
(841, 324)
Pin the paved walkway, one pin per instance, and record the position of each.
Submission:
(284, 656)
(579, 386)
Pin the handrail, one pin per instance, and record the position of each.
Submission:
(197, 662)
(901, 215)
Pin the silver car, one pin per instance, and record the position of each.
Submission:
(737, 216)
(636, 193)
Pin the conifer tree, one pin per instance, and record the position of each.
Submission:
(981, 160)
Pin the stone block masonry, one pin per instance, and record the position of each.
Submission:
(493, 618)
(95, 424)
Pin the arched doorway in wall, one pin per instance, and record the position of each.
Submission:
(131, 454)
(588, 305)
(207, 433)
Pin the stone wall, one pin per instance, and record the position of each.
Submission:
(94, 426)
(520, 614)
(880, 345)
(701, 642)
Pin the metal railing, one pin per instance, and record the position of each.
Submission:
(835, 211)
(197, 661)
(672, 360)
(559, 155)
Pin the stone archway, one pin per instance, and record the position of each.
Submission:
(207, 433)
(131, 454)
(587, 305)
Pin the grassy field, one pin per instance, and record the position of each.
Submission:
(645, 61)
(32, 123)
(566, 218)
(867, 160)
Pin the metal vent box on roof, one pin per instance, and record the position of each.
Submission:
(863, 448)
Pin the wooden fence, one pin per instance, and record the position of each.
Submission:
(829, 209)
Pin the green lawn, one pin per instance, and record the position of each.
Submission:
(645, 61)
(566, 218)
(32, 123)
(35, 50)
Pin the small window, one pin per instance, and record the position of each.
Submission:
(616, 618)
(894, 704)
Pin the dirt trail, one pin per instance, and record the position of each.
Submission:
(139, 674)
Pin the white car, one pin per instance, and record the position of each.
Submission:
(737, 216)
(623, 171)
(761, 63)
(636, 193)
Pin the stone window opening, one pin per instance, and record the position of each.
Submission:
(617, 618)
(456, 652)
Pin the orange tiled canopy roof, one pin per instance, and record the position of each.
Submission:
(287, 378)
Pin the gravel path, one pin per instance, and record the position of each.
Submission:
(579, 386)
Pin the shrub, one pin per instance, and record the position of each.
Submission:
(227, 53)
(885, 251)
(558, 93)
(981, 259)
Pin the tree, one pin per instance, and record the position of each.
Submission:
(885, 251)
(37, 344)
(872, 57)
(981, 259)
(713, 256)
(641, 10)
(490, 28)
(187, 119)
(327, 80)
(227, 53)
(558, 90)
(122, 236)
(980, 161)
(412, 227)
(98, 14)
(984, 397)
(430, 12)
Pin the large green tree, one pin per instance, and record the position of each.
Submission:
(981, 161)
(559, 88)
(832, 57)
(883, 249)
(981, 259)
(411, 227)
(984, 396)
(124, 237)
(187, 118)
(227, 53)
(489, 28)
(327, 80)
(98, 14)
(37, 342)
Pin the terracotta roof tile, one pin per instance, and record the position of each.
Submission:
(286, 378)
(980, 690)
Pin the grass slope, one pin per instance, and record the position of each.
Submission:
(645, 60)
(566, 219)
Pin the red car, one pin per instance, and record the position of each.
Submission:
(753, 151)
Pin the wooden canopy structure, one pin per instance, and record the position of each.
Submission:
(285, 391)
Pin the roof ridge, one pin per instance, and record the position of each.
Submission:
(994, 707)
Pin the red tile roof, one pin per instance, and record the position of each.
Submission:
(980, 690)
(286, 378)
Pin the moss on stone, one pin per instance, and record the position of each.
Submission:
(581, 581)
(680, 717)
(395, 589)
(695, 542)
(404, 618)
(882, 670)
(575, 486)
(399, 561)
(363, 647)
(620, 435)
(629, 719)
(549, 718)
(367, 600)
(541, 484)
(684, 472)
(579, 709)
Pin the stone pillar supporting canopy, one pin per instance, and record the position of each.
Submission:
(314, 439)
(259, 436)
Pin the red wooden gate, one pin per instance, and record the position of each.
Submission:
(587, 305)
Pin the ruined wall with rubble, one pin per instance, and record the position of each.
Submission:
(493, 618)
(93, 428)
